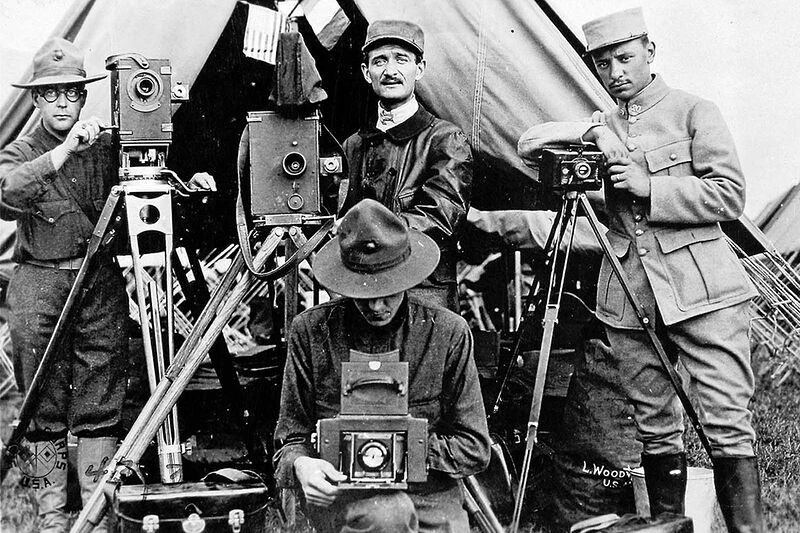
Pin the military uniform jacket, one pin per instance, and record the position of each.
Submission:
(52, 207)
(671, 245)
(421, 169)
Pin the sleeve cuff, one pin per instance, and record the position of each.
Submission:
(284, 464)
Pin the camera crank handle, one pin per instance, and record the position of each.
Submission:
(180, 186)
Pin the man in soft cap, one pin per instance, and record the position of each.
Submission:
(674, 176)
(373, 262)
(54, 182)
(417, 165)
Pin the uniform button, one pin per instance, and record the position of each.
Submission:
(642, 252)
(639, 232)
(673, 157)
(632, 120)
(74, 180)
(51, 220)
(637, 218)
(631, 147)
(631, 134)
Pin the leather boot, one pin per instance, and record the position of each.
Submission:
(94, 457)
(738, 487)
(51, 489)
(665, 477)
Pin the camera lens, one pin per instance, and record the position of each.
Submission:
(145, 86)
(583, 170)
(294, 163)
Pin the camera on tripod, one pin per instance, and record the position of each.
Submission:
(285, 164)
(571, 168)
(141, 96)
(374, 441)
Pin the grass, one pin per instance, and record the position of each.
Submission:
(776, 412)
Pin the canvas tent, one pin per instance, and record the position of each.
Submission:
(493, 74)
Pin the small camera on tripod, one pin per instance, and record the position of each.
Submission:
(571, 168)
(141, 96)
(374, 441)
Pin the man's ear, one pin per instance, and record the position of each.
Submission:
(651, 51)
(365, 73)
(35, 98)
(420, 70)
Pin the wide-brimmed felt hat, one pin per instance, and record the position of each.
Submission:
(383, 31)
(58, 62)
(374, 254)
(614, 28)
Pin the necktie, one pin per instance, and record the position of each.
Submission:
(385, 117)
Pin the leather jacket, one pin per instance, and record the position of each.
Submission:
(421, 169)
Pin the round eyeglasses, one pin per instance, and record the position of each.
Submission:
(73, 94)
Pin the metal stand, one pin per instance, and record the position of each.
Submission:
(226, 297)
(565, 220)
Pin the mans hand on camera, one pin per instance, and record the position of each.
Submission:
(606, 141)
(204, 181)
(81, 136)
(315, 476)
(626, 175)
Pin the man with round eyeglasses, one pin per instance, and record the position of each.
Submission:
(54, 182)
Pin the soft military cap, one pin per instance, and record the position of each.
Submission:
(58, 62)
(614, 28)
(401, 31)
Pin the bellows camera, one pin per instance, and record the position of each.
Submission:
(571, 168)
(374, 441)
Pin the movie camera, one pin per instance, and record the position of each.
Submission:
(286, 167)
(141, 96)
(571, 167)
(374, 441)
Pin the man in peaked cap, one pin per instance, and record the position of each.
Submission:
(373, 262)
(54, 182)
(674, 176)
(417, 165)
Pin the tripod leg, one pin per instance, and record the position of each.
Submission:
(224, 301)
(554, 292)
(101, 235)
(646, 323)
(196, 292)
(555, 236)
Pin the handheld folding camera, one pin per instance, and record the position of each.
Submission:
(374, 441)
(571, 168)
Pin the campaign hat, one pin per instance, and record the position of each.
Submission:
(58, 62)
(374, 254)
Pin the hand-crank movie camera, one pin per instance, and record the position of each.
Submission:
(571, 168)
(374, 441)
(141, 95)
(285, 164)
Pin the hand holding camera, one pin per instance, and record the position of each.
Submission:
(626, 175)
(316, 477)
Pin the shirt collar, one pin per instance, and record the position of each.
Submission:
(653, 93)
(398, 115)
(420, 120)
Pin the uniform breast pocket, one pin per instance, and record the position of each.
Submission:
(55, 230)
(671, 159)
